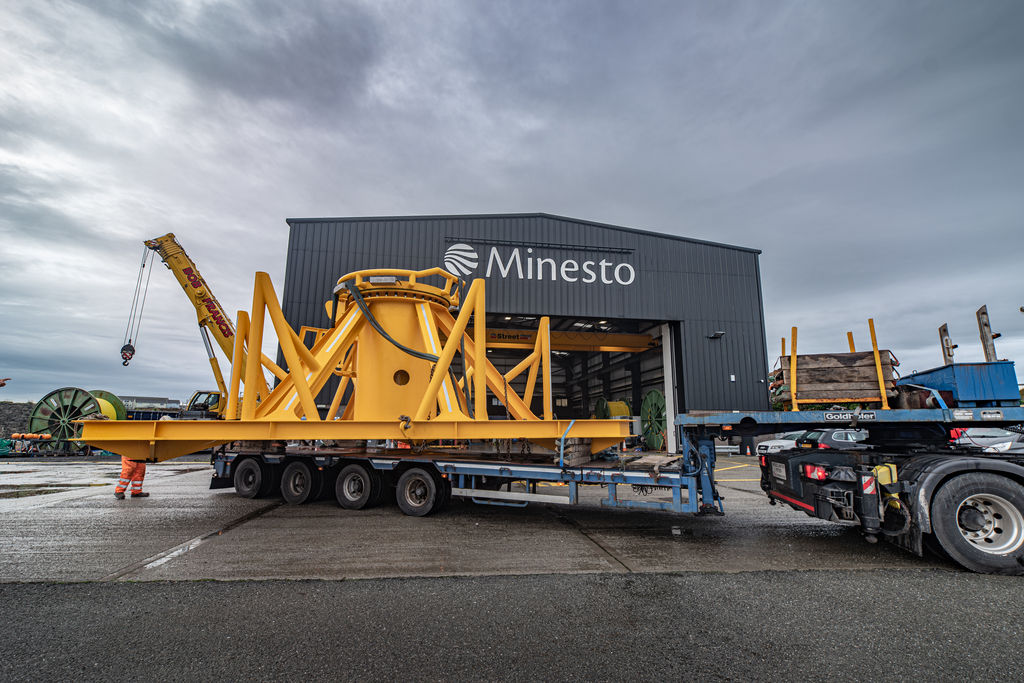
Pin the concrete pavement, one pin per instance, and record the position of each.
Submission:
(92, 588)
(833, 625)
(187, 532)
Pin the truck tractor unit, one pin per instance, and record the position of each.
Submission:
(914, 485)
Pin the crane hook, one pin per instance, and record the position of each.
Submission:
(127, 351)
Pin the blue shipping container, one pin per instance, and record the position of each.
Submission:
(973, 385)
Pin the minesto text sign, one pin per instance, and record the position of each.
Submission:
(462, 259)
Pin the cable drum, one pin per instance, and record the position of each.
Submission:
(605, 409)
(652, 419)
(106, 398)
(55, 414)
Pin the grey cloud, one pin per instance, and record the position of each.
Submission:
(28, 209)
(303, 53)
(872, 150)
(885, 54)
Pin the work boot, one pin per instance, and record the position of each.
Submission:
(119, 495)
(139, 495)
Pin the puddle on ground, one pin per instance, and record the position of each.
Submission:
(26, 490)
(186, 470)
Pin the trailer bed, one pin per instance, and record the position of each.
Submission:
(473, 474)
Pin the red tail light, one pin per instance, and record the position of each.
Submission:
(823, 446)
(816, 472)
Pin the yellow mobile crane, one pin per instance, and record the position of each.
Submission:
(212, 321)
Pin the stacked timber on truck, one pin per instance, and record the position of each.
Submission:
(835, 378)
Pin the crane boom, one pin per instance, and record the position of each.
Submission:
(212, 322)
(208, 310)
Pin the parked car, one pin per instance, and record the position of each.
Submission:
(783, 443)
(992, 439)
(841, 439)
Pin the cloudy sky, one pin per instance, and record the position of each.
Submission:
(873, 150)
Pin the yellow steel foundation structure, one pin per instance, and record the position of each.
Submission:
(392, 344)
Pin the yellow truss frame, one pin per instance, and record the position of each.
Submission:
(289, 410)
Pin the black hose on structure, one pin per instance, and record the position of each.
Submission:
(357, 296)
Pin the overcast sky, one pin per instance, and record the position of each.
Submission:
(873, 150)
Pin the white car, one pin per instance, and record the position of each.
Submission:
(783, 443)
(992, 440)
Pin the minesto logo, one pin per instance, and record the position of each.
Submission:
(567, 271)
(461, 259)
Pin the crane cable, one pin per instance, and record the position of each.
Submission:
(131, 333)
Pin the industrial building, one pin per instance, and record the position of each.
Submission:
(631, 310)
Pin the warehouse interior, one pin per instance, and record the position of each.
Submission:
(614, 360)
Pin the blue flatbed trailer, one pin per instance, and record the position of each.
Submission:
(756, 423)
(301, 474)
(911, 486)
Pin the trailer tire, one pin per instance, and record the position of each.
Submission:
(357, 487)
(447, 494)
(300, 483)
(271, 479)
(444, 493)
(978, 518)
(416, 492)
(248, 478)
(387, 489)
(328, 480)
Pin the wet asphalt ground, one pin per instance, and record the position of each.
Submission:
(193, 583)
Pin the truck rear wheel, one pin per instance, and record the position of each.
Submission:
(978, 519)
(416, 492)
(300, 483)
(357, 487)
(248, 478)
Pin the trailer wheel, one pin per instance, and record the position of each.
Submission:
(248, 478)
(444, 493)
(416, 492)
(979, 521)
(300, 483)
(271, 479)
(357, 487)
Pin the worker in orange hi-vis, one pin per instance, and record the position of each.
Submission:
(133, 472)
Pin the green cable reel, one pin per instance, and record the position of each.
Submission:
(605, 409)
(652, 419)
(115, 402)
(55, 414)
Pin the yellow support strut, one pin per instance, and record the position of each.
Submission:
(392, 343)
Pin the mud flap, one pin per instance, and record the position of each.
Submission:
(221, 482)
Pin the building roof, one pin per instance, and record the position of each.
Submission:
(649, 233)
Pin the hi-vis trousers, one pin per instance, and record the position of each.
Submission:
(133, 472)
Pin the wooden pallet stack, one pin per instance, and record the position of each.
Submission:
(837, 378)
(577, 452)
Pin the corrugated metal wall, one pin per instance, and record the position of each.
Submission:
(706, 287)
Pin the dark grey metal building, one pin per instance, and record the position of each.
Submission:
(702, 299)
